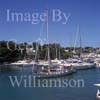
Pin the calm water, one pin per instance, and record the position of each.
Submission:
(7, 92)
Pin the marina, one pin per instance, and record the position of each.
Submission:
(49, 50)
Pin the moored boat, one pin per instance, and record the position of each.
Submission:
(81, 65)
(48, 70)
(55, 74)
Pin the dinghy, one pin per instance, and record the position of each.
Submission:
(97, 84)
(98, 95)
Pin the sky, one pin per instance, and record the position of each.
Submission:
(85, 13)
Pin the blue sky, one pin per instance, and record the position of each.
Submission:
(86, 13)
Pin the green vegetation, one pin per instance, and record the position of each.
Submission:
(17, 52)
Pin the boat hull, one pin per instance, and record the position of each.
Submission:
(85, 67)
(55, 75)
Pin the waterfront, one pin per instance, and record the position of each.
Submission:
(88, 92)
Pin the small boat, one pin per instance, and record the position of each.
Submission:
(97, 84)
(98, 95)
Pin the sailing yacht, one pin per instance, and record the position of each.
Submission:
(79, 63)
(51, 71)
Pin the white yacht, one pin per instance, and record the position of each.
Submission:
(80, 65)
(23, 63)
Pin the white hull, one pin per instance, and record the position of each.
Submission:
(97, 84)
(82, 66)
(98, 95)
(55, 74)
(22, 63)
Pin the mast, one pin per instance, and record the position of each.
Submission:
(78, 34)
(48, 49)
(80, 44)
(37, 55)
(76, 38)
(56, 50)
(59, 52)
